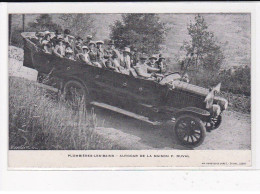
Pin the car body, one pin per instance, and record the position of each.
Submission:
(148, 100)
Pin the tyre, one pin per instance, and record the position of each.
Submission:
(189, 131)
(217, 122)
(76, 94)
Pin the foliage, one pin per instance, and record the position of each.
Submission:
(42, 23)
(38, 120)
(236, 81)
(143, 31)
(79, 24)
(203, 49)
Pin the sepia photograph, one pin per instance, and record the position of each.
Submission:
(132, 81)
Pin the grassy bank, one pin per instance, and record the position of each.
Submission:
(39, 120)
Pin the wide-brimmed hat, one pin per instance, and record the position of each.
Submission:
(85, 47)
(143, 57)
(99, 42)
(89, 36)
(91, 42)
(59, 36)
(127, 50)
(153, 57)
(161, 56)
(111, 42)
(47, 32)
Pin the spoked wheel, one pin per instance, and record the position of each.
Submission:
(75, 94)
(190, 131)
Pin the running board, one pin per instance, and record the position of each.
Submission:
(125, 112)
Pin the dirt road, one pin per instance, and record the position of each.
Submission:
(233, 134)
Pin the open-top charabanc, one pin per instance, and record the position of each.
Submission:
(194, 109)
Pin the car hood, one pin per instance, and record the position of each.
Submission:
(191, 88)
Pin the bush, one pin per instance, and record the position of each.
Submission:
(38, 121)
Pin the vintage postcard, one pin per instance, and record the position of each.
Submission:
(151, 88)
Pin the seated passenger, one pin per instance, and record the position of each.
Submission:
(93, 55)
(47, 46)
(84, 56)
(59, 49)
(152, 62)
(125, 61)
(161, 64)
(69, 53)
(47, 36)
(100, 53)
(112, 55)
(142, 68)
(78, 45)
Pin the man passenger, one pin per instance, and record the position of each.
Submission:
(100, 52)
(59, 49)
(152, 61)
(142, 68)
(93, 54)
(112, 55)
(161, 64)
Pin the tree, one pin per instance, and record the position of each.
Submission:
(42, 23)
(203, 50)
(143, 31)
(79, 24)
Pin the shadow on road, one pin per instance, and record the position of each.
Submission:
(157, 137)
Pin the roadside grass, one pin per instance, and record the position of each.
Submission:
(39, 119)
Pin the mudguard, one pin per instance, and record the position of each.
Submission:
(203, 114)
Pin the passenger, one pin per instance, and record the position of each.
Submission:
(59, 49)
(47, 36)
(54, 39)
(78, 45)
(84, 56)
(89, 38)
(126, 61)
(65, 35)
(69, 53)
(142, 68)
(152, 62)
(100, 53)
(161, 64)
(47, 46)
(93, 55)
(134, 57)
(112, 55)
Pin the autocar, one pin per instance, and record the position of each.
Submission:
(193, 109)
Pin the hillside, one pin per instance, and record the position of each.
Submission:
(233, 31)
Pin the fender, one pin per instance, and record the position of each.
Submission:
(203, 114)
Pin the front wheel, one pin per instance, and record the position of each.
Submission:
(190, 131)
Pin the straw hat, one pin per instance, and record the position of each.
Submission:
(127, 50)
(91, 42)
(99, 42)
(153, 57)
(85, 47)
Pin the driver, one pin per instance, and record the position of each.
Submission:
(142, 68)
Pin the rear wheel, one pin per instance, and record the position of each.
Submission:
(190, 131)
